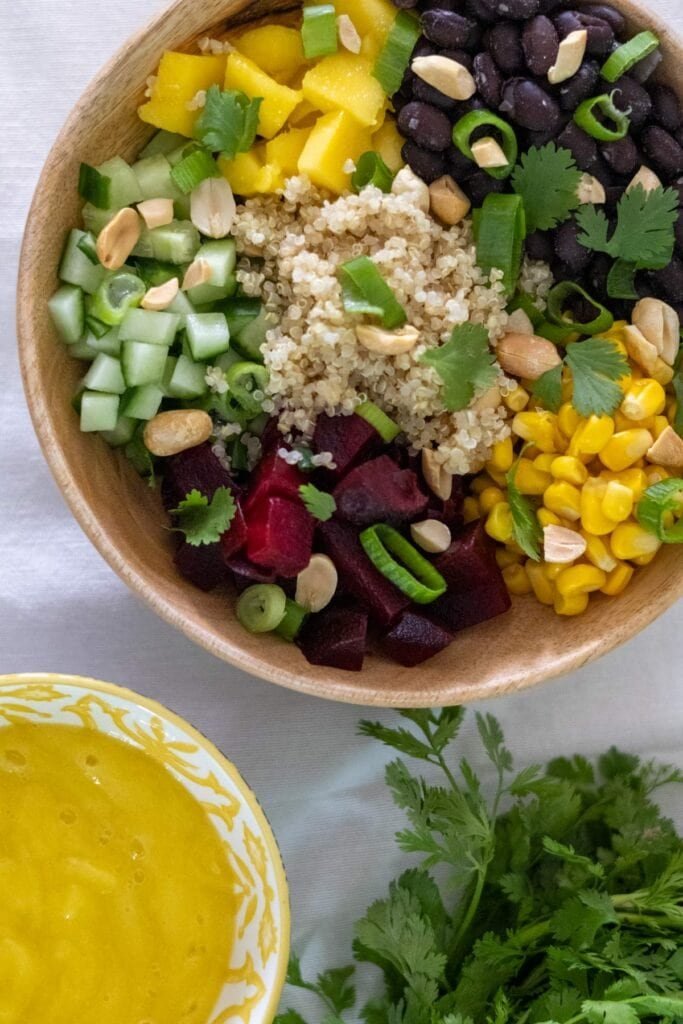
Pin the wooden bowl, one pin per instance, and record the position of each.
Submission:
(124, 518)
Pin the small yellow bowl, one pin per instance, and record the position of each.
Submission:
(255, 975)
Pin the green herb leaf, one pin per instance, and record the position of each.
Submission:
(644, 234)
(321, 505)
(289, 1017)
(228, 122)
(677, 384)
(603, 1012)
(465, 364)
(596, 366)
(526, 527)
(548, 388)
(621, 280)
(203, 521)
(547, 179)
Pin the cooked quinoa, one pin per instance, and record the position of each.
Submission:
(296, 244)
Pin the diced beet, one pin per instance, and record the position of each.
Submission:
(414, 639)
(234, 539)
(271, 436)
(449, 512)
(273, 477)
(245, 573)
(336, 637)
(358, 576)
(378, 492)
(194, 469)
(348, 438)
(201, 565)
(476, 588)
(280, 535)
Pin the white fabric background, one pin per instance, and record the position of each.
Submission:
(63, 609)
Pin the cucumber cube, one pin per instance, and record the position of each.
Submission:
(208, 335)
(109, 343)
(187, 379)
(98, 411)
(122, 433)
(76, 268)
(142, 364)
(125, 189)
(96, 220)
(142, 403)
(82, 350)
(175, 243)
(154, 178)
(182, 307)
(106, 375)
(67, 309)
(221, 257)
(154, 328)
(162, 142)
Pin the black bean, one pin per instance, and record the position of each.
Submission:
(428, 94)
(678, 229)
(424, 48)
(540, 43)
(597, 274)
(647, 66)
(539, 139)
(481, 10)
(607, 13)
(580, 86)
(460, 56)
(569, 250)
(630, 97)
(679, 136)
(622, 156)
(401, 98)
(668, 283)
(480, 185)
(442, 5)
(446, 28)
(459, 165)
(665, 154)
(530, 106)
(600, 33)
(604, 173)
(504, 43)
(583, 148)
(427, 165)
(539, 246)
(678, 185)
(404, 5)
(518, 10)
(426, 125)
(613, 194)
(488, 79)
(666, 108)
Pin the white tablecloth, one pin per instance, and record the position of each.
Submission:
(63, 609)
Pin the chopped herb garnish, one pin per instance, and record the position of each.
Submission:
(548, 388)
(596, 366)
(644, 233)
(319, 504)
(203, 521)
(525, 525)
(547, 179)
(228, 122)
(465, 364)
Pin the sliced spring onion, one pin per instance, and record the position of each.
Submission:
(118, 293)
(467, 125)
(586, 119)
(371, 170)
(372, 414)
(402, 564)
(319, 30)
(262, 608)
(238, 455)
(193, 169)
(244, 379)
(621, 280)
(522, 300)
(557, 297)
(394, 57)
(290, 627)
(500, 237)
(553, 332)
(366, 291)
(94, 187)
(88, 246)
(657, 507)
(629, 54)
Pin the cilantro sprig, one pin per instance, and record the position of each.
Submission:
(203, 521)
(596, 367)
(465, 365)
(547, 179)
(228, 122)
(644, 233)
(319, 504)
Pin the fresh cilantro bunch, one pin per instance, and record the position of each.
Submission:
(562, 894)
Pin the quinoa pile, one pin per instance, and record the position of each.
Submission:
(295, 244)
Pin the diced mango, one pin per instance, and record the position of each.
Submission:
(370, 47)
(388, 142)
(344, 81)
(304, 116)
(336, 138)
(278, 100)
(249, 175)
(276, 49)
(376, 16)
(286, 148)
(179, 78)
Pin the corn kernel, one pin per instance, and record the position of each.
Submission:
(570, 469)
(630, 541)
(575, 604)
(634, 478)
(598, 553)
(616, 333)
(529, 479)
(517, 399)
(553, 569)
(568, 419)
(480, 483)
(516, 580)
(591, 436)
(564, 500)
(540, 584)
(625, 448)
(499, 479)
(660, 425)
(617, 503)
(538, 427)
(671, 410)
(499, 523)
(593, 519)
(548, 518)
(490, 497)
(663, 373)
(502, 456)
(506, 557)
(580, 579)
(644, 559)
(622, 422)
(644, 398)
(618, 579)
(655, 474)
(470, 510)
(544, 461)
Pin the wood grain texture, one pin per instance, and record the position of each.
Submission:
(124, 518)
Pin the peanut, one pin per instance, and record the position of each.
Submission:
(169, 433)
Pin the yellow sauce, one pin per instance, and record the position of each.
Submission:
(117, 902)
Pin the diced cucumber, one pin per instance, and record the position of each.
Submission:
(181, 151)
(118, 293)
(142, 403)
(227, 360)
(182, 306)
(176, 243)
(162, 142)
(92, 324)
(67, 309)
(122, 433)
(251, 338)
(183, 208)
(207, 335)
(142, 364)
(98, 411)
(88, 246)
(187, 379)
(221, 258)
(124, 187)
(76, 268)
(154, 178)
(239, 312)
(154, 273)
(105, 374)
(95, 220)
(109, 343)
(82, 350)
(154, 328)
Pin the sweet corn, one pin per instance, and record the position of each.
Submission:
(644, 559)
(625, 448)
(480, 483)
(470, 510)
(660, 425)
(617, 503)
(630, 541)
(548, 518)
(490, 497)
(538, 427)
(540, 584)
(575, 604)
(570, 469)
(516, 580)
(598, 553)
(499, 523)
(618, 579)
(544, 461)
(655, 474)
(529, 479)
(663, 373)
(517, 399)
(568, 420)
(506, 557)
(499, 479)
(553, 569)
(644, 398)
(591, 436)
(580, 579)
(502, 456)
(634, 478)
(593, 519)
(564, 500)
(622, 422)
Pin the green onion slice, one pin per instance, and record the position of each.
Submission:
(553, 332)
(319, 30)
(394, 57)
(364, 290)
(500, 237)
(522, 300)
(621, 280)
(290, 627)
(193, 169)
(262, 608)
(94, 187)
(371, 170)
(655, 509)
(238, 455)
(88, 246)
(402, 564)
(557, 297)
(372, 414)
(243, 380)
(467, 125)
(629, 54)
(586, 119)
(118, 293)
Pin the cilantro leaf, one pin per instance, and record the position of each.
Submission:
(228, 122)
(396, 930)
(321, 505)
(677, 384)
(547, 179)
(608, 1012)
(289, 1017)
(548, 388)
(596, 367)
(525, 525)
(621, 280)
(203, 521)
(465, 364)
(644, 233)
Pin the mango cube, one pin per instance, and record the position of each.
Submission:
(249, 175)
(278, 100)
(276, 49)
(179, 78)
(336, 138)
(285, 149)
(375, 16)
(388, 142)
(370, 47)
(304, 115)
(344, 81)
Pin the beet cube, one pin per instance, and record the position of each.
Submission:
(414, 639)
(336, 637)
(358, 576)
(234, 538)
(245, 573)
(349, 438)
(280, 535)
(201, 565)
(194, 469)
(476, 588)
(449, 512)
(273, 477)
(379, 492)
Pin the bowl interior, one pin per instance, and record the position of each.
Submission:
(124, 518)
(254, 977)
